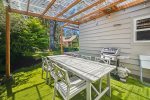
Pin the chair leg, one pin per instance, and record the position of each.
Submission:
(67, 96)
(108, 85)
(42, 73)
(100, 85)
(141, 76)
(49, 78)
(46, 76)
(54, 92)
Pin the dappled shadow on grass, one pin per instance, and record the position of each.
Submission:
(2, 89)
(22, 75)
(28, 88)
(129, 91)
(132, 89)
(39, 91)
(28, 85)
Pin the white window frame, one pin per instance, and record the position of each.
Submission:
(135, 30)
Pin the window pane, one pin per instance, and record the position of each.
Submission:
(143, 35)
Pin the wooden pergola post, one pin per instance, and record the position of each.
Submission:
(8, 76)
(7, 43)
(61, 40)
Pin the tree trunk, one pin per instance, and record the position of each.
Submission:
(52, 34)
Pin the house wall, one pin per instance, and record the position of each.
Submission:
(94, 37)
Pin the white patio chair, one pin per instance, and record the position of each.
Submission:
(86, 57)
(48, 68)
(67, 87)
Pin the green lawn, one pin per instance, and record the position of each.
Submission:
(30, 86)
(39, 54)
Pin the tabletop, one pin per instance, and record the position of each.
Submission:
(87, 69)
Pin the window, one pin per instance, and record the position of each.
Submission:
(142, 29)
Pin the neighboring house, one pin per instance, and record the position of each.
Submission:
(116, 31)
(69, 41)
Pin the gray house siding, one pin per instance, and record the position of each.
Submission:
(94, 37)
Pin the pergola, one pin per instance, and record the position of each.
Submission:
(72, 12)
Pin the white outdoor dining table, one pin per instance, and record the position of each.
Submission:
(90, 71)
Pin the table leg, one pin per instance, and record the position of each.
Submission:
(88, 90)
(108, 85)
(141, 75)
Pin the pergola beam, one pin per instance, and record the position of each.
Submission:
(101, 9)
(131, 4)
(71, 28)
(67, 8)
(45, 17)
(47, 8)
(116, 9)
(66, 24)
(86, 8)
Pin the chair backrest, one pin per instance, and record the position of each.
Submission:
(86, 57)
(61, 74)
(46, 63)
(101, 60)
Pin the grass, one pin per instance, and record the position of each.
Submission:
(30, 86)
(39, 54)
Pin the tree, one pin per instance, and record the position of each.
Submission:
(52, 34)
(27, 35)
(37, 33)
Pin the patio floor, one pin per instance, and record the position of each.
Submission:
(30, 86)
